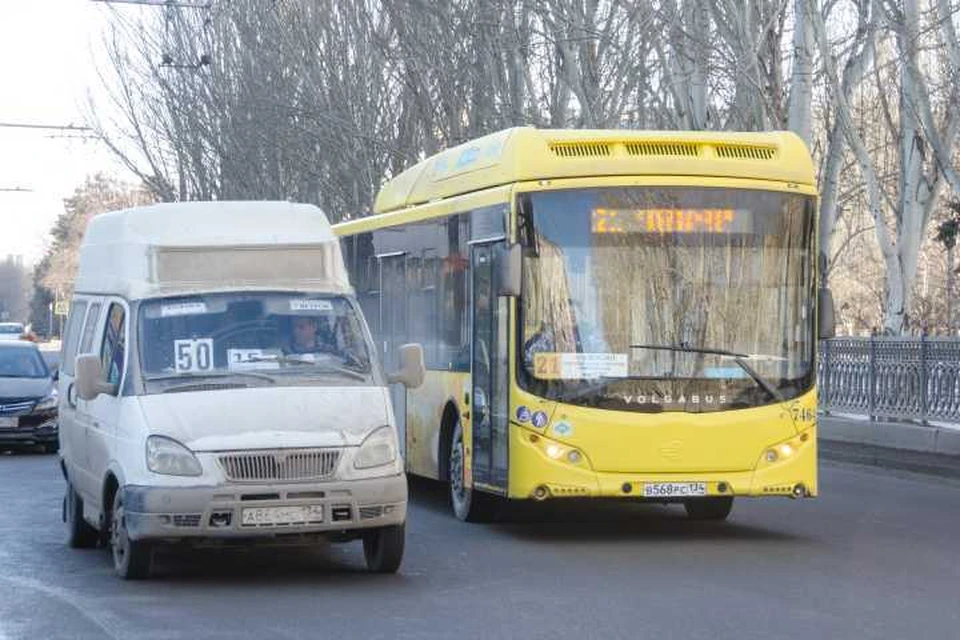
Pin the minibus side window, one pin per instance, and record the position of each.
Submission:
(114, 344)
(88, 330)
(72, 336)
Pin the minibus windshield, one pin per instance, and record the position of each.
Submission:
(269, 337)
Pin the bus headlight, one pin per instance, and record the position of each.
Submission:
(379, 448)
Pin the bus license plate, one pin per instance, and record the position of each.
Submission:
(279, 516)
(674, 489)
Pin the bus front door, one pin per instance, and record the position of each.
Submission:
(488, 372)
(393, 331)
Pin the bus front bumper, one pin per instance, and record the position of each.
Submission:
(534, 473)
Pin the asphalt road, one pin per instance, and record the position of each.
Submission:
(877, 556)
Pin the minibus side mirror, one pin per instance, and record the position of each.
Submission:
(55, 374)
(509, 271)
(90, 382)
(826, 316)
(412, 370)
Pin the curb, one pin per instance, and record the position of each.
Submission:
(909, 447)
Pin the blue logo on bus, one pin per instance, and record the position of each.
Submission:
(539, 419)
(523, 414)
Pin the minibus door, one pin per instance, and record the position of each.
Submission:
(393, 331)
(488, 371)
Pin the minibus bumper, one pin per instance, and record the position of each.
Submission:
(267, 510)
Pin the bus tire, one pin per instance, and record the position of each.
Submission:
(468, 505)
(709, 508)
(383, 548)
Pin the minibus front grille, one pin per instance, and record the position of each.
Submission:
(283, 465)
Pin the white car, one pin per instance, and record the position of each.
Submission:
(11, 331)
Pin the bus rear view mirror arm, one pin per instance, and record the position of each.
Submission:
(412, 370)
(826, 316)
(90, 381)
(509, 271)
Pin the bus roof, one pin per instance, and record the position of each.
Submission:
(526, 153)
(189, 247)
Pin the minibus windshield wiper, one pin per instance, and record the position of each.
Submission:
(345, 371)
(188, 375)
(321, 367)
(739, 358)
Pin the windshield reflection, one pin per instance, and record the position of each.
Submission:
(252, 337)
(656, 299)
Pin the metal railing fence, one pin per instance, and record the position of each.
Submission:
(891, 377)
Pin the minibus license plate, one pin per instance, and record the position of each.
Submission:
(278, 516)
(8, 423)
(674, 489)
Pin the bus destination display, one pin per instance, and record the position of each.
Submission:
(659, 221)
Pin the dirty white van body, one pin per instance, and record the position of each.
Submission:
(194, 405)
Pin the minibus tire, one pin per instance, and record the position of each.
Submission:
(468, 505)
(132, 559)
(709, 508)
(383, 548)
(80, 535)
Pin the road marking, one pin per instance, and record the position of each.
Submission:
(105, 622)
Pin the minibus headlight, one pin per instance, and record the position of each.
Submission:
(170, 458)
(379, 448)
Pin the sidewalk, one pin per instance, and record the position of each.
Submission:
(909, 446)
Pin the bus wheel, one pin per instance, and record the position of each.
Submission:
(709, 508)
(468, 505)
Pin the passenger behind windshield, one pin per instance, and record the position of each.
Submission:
(240, 334)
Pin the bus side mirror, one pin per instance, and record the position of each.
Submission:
(90, 382)
(826, 316)
(509, 271)
(412, 370)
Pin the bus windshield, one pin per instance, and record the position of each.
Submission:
(667, 298)
(252, 338)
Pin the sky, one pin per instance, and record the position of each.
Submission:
(47, 72)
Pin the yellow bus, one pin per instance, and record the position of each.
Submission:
(604, 314)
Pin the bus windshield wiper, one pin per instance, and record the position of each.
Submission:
(739, 358)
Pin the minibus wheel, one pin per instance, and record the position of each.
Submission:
(383, 548)
(80, 535)
(709, 508)
(468, 505)
(131, 558)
